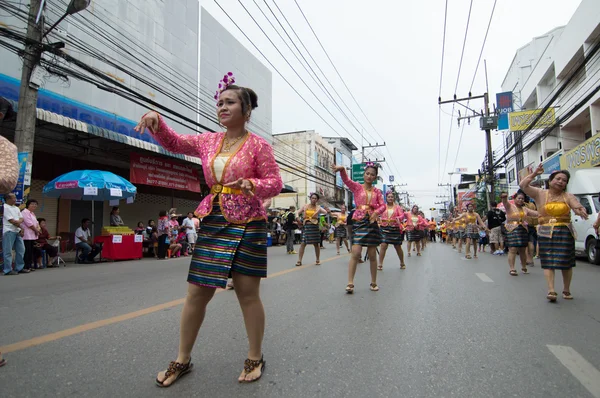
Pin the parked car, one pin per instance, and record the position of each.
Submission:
(585, 185)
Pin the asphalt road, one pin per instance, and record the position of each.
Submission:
(444, 327)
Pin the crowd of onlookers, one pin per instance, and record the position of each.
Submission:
(172, 236)
(27, 236)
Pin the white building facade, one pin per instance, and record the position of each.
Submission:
(558, 69)
(220, 53)
(342, 148)
(305, 159)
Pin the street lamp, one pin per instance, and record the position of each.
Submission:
(74, 7)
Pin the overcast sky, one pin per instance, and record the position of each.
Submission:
(389, 54)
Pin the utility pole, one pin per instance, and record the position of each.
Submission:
(449, 186)
(372, 146)
(486, 123)
(28, 93)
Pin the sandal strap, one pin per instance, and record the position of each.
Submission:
(175, 367)
(251, 364)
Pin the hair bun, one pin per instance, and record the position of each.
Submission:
(253, 98)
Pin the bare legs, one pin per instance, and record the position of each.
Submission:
(301, 252)
(247, 289)
(352, 265)
(192, 317)
(512, 256)
(567, 275)
(383, 248)
(338, 244)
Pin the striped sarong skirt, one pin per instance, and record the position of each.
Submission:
(415, 235)
(557, 252)
(341, 232)
(311, 234)
(391, 235)
(223, 247)
(519, 237)
(472, 232)
(365, 233)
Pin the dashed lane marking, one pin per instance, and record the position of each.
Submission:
(21, 345)
(579, 367)
(484, 277)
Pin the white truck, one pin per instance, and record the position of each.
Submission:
(585, 185)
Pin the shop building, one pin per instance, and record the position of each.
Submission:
(81, 127)
(343, 148)
(305, 159)
(539, 70)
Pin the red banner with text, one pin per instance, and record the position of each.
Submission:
(160, 172)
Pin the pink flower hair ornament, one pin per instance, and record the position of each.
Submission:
(227, 81)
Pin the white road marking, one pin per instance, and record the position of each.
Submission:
(583, 371)
(484, 277)
(23, 298)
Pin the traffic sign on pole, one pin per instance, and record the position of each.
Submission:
(391, 178)
(358, 172)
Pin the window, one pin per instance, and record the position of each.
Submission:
(596, 203)
(585, 203)
(511, 175)
(587, 135)
(509, 139)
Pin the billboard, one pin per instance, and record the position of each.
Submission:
(504, 104)
(583, 156)
(160, 172)
(521, 120)
(552, 163)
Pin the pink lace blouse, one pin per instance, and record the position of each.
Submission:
(363, 205)
(253, 161)
(396, 219)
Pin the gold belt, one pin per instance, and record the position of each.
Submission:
(218, 188)
(365, 207)
(546, 220)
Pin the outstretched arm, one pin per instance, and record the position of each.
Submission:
(185, 144)
(352, 185)
(526, 183)
(576, 206)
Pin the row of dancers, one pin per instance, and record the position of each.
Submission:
(555, 233)
(374, 222)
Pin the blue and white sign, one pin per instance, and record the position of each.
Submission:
(22, 189)
(391, 179)
(552, 164)
(504, 103)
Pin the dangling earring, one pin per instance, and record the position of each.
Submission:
(248, 116)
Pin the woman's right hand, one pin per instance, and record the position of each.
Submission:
(335, 168)
(149, 120)
(540, 170)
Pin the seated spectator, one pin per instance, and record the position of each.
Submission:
(115, 218)
(139, 230)
(183, 241)
(42, 244)
(84, 242)
(151, 224)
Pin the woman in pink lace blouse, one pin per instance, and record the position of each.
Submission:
(365, 230)
(241, 171)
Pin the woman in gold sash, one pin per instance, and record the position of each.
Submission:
(556, 236)
(341, 231)
(517, 230)
(472, 221)
(310, 230)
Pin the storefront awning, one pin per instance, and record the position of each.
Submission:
(60, 120)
